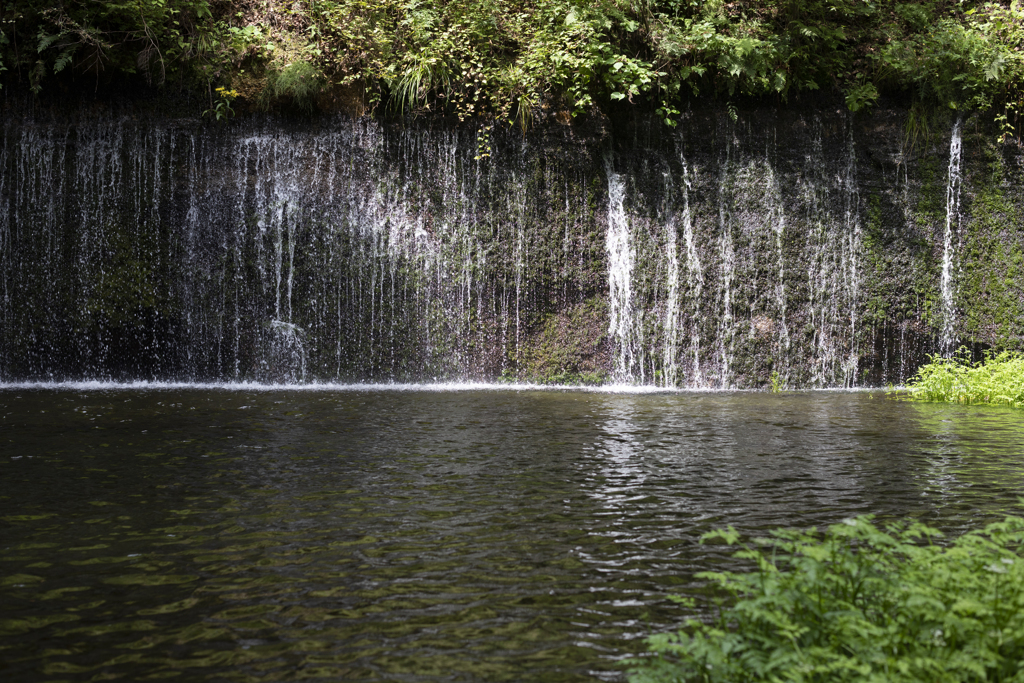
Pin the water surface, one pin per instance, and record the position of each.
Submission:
(247, 534)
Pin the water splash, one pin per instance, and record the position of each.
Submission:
(946, 286)
(284, 361)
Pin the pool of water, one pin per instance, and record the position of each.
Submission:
(261, 534)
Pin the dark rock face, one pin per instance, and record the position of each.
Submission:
(802, 243)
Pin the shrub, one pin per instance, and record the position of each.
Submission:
(510, 59)
(858, 603)
(999, 380)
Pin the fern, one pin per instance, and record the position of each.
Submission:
(857, 604)
(999, 380)
(64, 59)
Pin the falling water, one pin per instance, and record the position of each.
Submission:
(852, 247)
(946, 288)
(727, 260)
(834, 242)
(670, 370)
(620, 274)
(778, 222)
(284, 361)
(695, 275)
(198, 255)
(350, 251)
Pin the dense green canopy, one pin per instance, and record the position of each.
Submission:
(510, 57)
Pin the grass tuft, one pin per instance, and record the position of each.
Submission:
(299, 82)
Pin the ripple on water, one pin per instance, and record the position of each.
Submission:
(392, 533)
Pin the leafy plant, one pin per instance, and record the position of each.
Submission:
(510, 61)
(998, 380)
(862, 96)
(147, 37)
(222, 106)
(857, 603)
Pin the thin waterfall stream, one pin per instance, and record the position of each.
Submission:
(946, 286)
(620, 274)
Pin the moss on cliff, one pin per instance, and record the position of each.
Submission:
(991, 278)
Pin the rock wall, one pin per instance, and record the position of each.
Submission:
(805, 244)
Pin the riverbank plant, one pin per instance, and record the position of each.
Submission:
(998, 380)
(857, 603)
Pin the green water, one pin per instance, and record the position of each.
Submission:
(402, 535)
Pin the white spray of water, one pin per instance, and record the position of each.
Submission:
(696, 282)
(670, 369)
(946, 339)
(727, 328)
(620, 273)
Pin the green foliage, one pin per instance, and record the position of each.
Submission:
(222, 107)
(999, 380)
(298, 81)
(861, 96)
(152, 38)
(512, 59)
(858, 603)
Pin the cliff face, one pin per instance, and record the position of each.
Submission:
(809, 244)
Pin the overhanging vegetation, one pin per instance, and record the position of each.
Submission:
(508, 58)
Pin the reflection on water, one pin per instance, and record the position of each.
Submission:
(967, 455)
(427, 536)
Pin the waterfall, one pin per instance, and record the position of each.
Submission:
(852, 240)
(834, 243)
(620, 273)
(267, 250)
(947, 337)
(727, 260)
(778, 222)
(670, 370)
(695, 278)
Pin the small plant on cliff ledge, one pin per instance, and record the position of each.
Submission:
(999, 380)
(858, 604)
(299, 81)
(221, 108)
